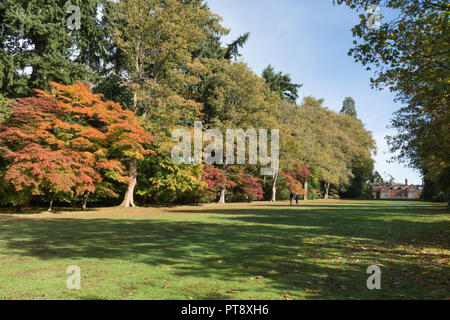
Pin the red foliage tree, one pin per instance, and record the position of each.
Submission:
(242, 186)
(247, 187)
(293, 179)
(215, 179)
(62, 142)
(292, 184)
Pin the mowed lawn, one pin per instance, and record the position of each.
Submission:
(319, 250)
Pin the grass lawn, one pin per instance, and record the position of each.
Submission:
(320, 250)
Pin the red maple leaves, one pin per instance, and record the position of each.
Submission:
(293, 179)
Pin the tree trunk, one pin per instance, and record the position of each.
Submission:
(274, 187)
(128, 200)
(40, 45)
(223, 192)
(448, 199)
(222, 195)
(51, 205)
(305, 196)
(135, 102)
(85, 200)
(327, 189)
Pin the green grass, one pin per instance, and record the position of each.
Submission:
(320, 250)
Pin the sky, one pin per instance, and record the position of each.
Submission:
(309, 39)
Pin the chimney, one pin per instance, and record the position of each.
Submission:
(406, 182)
(391, 182)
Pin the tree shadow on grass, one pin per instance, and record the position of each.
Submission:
(242, 243)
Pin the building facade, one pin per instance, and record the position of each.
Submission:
(383, 190)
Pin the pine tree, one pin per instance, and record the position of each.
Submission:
(281, 84)
(37, 46)
(348, 107)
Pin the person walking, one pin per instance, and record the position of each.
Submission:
(291, 197)
(297, 198)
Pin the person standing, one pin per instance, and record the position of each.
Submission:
(297, 198)
(291, 197)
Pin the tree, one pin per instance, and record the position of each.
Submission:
(37, 161)
(292, 151)
(68, 142)
(281, 84)
(216, 180)
(232, 51)
(410, 54)
(327, 149)
(241, 101)
(246, 186)
(294, 179)
(162, 180)
(362, 162)
(157, 41)
(36, 46)
(348, 107)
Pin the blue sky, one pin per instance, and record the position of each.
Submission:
(309, 39)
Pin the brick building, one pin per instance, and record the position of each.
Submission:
(383, 190)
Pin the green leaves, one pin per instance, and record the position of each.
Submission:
(281, 84)
(37, 47)
(411, 58)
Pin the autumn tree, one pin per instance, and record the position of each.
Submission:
(246, 187)
(362, 163)
(293, 179)
(216, 180)
(291, 146)
(409, 54)
(65, 143)
(157, 42)
(164, 181)
(242, 101)
(326, 149)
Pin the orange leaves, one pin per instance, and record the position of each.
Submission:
(45, 170)
(91, 133)
(81, 142)
(68, 140)
(64, 126)
(292, 183)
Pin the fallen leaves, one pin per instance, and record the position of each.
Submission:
(232, 291)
